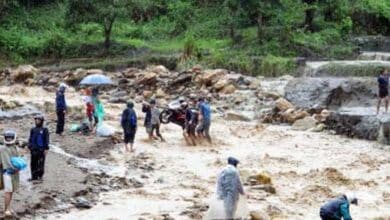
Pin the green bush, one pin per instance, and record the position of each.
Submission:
(272, 66)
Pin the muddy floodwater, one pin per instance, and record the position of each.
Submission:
(177, 180)
(306, 169)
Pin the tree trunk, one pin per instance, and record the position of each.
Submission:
(107, 34)
(310, 13)
(259, 21)
(232, 33)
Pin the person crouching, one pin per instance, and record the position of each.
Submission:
(38, 146)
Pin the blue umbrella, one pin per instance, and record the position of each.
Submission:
(96, 79)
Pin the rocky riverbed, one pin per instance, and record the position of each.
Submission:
(304, 164)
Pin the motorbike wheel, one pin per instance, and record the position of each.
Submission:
(165, 116)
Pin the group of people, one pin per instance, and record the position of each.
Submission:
(197, 114)
(38, 146)
(230, 190)
(197, 121)
(93, 106)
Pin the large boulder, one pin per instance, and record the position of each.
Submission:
(331, 93)
(230, 89)
(130, 72)
(355, 124)
(159, 69)
(23, 72)
(282, 105)
(75, 77)
(210, 77)
(146, 78)
(304, 124)
(291, 115)
(236, 116)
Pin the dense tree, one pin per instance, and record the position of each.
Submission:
(103, 12)
(232, 7)
(260, 12)
(310, 14)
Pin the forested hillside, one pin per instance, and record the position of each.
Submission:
(236, 34)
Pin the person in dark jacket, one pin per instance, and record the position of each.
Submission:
(129, 125)
(60, 108)
(338, 208)
(383, 90)
(190, 123)
(38, 145)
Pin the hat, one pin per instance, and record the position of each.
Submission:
(233, 161)
(130, 104)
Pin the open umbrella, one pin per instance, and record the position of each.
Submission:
(96, 79)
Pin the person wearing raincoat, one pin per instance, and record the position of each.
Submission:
(10, 174)
(230, 201)
(98, 111)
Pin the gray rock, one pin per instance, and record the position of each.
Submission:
(331, 93)
(357, 125)
(236, 116)
(82, 203)
(304, 124)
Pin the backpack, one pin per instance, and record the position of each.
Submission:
(131, 120)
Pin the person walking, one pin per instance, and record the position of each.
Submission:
(61, 108)
(38, 145)
(383, 90)
(190, 124)
(230, 201)
(10, 173)
(203, 128)
(337, 209)
(129, 125)
(152, 119)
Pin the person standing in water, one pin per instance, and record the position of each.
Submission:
(383, 90)
(129, 125)
(203, 128)
(61, 108)
(9, 172)
(229, 187)
(152, 119)
(38, 145)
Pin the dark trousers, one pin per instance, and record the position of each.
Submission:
(326, 216)
(37, 164)
(60, 122)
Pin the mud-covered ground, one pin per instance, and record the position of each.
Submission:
(172, 179)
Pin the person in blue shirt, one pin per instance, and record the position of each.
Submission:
(38, 145)
(383, 90)
(203, 128)
(129, 125)
(60, 108)
(337, 209)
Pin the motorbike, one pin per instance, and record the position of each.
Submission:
(173, 113)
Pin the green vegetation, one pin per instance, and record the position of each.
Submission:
(357, 69)
(251, 36)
